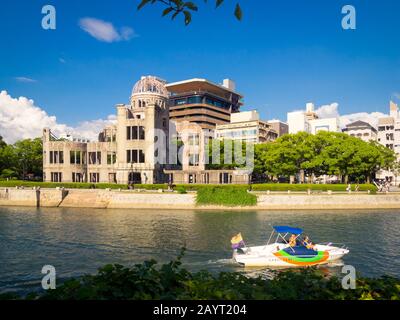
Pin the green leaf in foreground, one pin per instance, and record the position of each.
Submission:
(171, 281)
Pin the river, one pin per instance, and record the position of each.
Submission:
(78, 241)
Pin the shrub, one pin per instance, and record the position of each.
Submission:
(231, 196)
(181, 190)
(149, 281)
(192, 187)
(313, 187)
(8, 174)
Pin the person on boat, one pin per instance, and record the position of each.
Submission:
(308, 244)
(292, 240)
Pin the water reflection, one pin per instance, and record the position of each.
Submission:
(78, 241)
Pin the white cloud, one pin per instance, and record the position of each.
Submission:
(21, 119)
(25, 79)
(328, 110)
(332, 111)
(371, 118)
(105, 31)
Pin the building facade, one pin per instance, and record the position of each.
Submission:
(125, 153)
(281, 128)
(362, 130)
(144, 146)
(248, 127)
(193, 158)
(308, 121)
(203, 102)
(389, 136)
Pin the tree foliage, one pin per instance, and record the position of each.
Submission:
(170, 281)
(327, 153)
(22, 158)
(185, 8)
(228, 154)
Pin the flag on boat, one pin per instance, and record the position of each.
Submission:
(237, 241)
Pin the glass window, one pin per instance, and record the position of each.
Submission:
(193, 100)
(180, 102)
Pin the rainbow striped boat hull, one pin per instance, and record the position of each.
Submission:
(282, 255)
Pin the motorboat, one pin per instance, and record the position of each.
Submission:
(290, 248)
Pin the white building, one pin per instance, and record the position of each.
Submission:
(297, 122)
(326, 124)
(362, 130)
(308, 121)
(246, 126)
(389, 136)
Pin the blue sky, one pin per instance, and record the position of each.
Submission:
(282, 55)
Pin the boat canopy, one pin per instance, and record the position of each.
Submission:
(286, 229)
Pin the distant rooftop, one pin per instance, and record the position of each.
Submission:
(198, 84)
(359, 124)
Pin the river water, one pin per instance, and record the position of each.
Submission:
(78, 241)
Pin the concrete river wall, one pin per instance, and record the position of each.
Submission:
(76, 198)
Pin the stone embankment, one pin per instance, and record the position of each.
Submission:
(134, 199)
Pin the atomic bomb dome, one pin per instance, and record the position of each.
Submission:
(149, 90)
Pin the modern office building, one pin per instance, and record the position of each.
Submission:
(203, 102)
(362, 130)
(308, 121)
(248, 127)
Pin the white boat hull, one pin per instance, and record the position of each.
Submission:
(273, 255)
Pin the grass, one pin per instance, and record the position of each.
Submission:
(230, 196)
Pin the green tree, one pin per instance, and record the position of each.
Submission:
(2, 142)
(324, 153)
(237, 158)
(185, 8)
(29, 157)
(8, 162)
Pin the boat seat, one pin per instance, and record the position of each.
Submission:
(300, 251)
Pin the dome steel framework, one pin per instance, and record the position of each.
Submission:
(150, 84)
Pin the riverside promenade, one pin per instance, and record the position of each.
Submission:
(142, 199)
